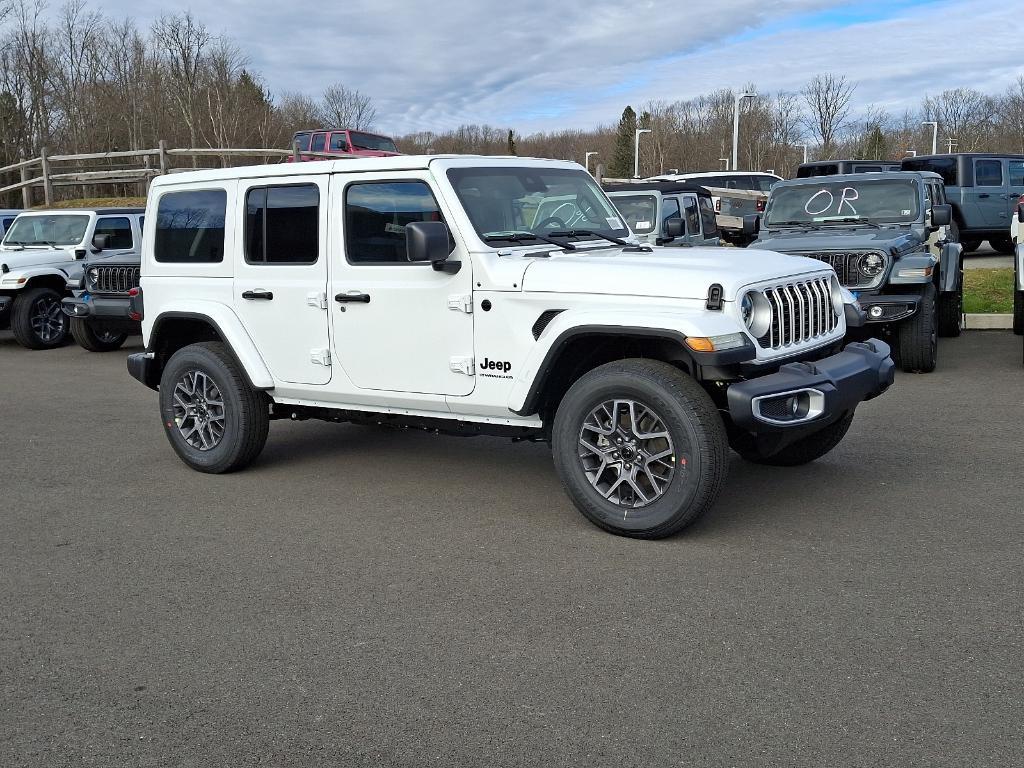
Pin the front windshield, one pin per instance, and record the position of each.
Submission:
(372, 142)
(502, 200)
(881, 201)
(47, 230)
(639, 211)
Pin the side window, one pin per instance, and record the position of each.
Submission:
(282, 224)
(669, 210)
(317, 144)
(302, 139)
(707, 215)
(7, 223)
(375, 217)
(1016, 173)
(338, 142)
(190, 227)
(117, 229)
(692, 216)
(988, 173)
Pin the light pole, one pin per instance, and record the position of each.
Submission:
(804, 148)
(736, 127)
(586, 160)
(935, 135)
(636, 151)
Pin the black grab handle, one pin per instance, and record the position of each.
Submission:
(359, 298)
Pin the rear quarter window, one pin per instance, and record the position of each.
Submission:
(190, 227)
(944, 166)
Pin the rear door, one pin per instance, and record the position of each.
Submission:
(1015, 178)
(989, 193)
(281, 274)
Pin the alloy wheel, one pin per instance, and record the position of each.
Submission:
(47, 319)
(199, 410)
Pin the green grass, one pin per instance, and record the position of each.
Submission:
(988, 290)
(99, 202)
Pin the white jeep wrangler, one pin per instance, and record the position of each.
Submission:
(42, 251)
(432, 292)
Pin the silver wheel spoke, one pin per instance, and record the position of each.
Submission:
(199, 410)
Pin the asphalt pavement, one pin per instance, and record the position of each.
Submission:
(364, 597)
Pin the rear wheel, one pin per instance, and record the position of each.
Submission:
(803, 451)
(1002, 244)
(918, 337)
(970, 244)
(37, 320)
(213, 419)
(96, 338)
(640, 448)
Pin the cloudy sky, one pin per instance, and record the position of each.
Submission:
(542, 65)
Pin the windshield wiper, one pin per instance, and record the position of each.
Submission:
(859, 220)
(519, 237)
(589, 233)
(807, 224)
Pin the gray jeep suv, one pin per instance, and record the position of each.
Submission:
(890, 238)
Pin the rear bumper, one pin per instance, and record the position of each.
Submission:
(802, 398)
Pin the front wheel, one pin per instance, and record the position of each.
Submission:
(951, 313)
(640, 448)
(214, 420)
(803, 451)
(37, 320)
(1018, 312)
(918, 337)
(96, 339)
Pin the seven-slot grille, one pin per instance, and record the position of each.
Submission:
(845, 264)
(801, 311)
(113, 279)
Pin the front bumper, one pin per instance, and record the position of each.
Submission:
(887, 307)
(101, 308)
(142, 367)
(803, 397)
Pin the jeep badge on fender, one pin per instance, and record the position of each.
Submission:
(364, 313)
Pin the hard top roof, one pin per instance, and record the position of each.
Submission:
(1007, 155)
(873, 176)
(665, 187)
(100, 211)
(359, 165)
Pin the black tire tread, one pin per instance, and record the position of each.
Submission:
(253, 416)
(87, 339)
(951, 314)
(714, 444)
(914, 336)
(1018, 312)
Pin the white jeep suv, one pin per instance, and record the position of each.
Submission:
(435, 292)
(42, 251)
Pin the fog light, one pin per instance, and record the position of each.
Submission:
(875, 312)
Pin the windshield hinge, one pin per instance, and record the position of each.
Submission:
(320, 356)
(461, 303)
(464, 365)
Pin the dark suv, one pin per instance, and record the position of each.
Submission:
(889, 238)
(102, 316)
(837, 167)
(983, 189)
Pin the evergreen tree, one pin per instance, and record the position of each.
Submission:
(621, 165)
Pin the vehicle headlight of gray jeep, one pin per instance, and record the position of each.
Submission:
(93, 275)
(756, 312)
(871, 264)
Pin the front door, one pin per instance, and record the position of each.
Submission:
(398, 326)
(989, 193)
(281, 277)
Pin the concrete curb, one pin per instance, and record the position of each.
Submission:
(993, 322)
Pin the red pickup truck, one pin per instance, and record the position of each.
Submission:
(344, 143)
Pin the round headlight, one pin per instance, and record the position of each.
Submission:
(871, 265)
(756, 313)
(93, 275)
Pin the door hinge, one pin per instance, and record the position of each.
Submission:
(463, 365)
(461, 303)
(320, 356)
(317, 299)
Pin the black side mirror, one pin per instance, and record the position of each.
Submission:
(429, 241)
(942, 215)
(99, 242)
(751, 224)
(1020, 213)
(674, 228)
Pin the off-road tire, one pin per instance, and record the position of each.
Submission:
(917, 338)
(803, 451)
(1003, 244)
(700, 459)
(1018, 312)
(88, 338)
(246, 410)
(23, 312)
(970, 244)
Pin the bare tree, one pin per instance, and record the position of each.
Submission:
(183, 42)
(962, 113)
(346, 108)
(828, 99)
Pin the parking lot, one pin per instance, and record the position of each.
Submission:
(371, 597)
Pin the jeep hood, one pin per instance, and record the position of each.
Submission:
(788, 241)
(33, 257)
(679, 273)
